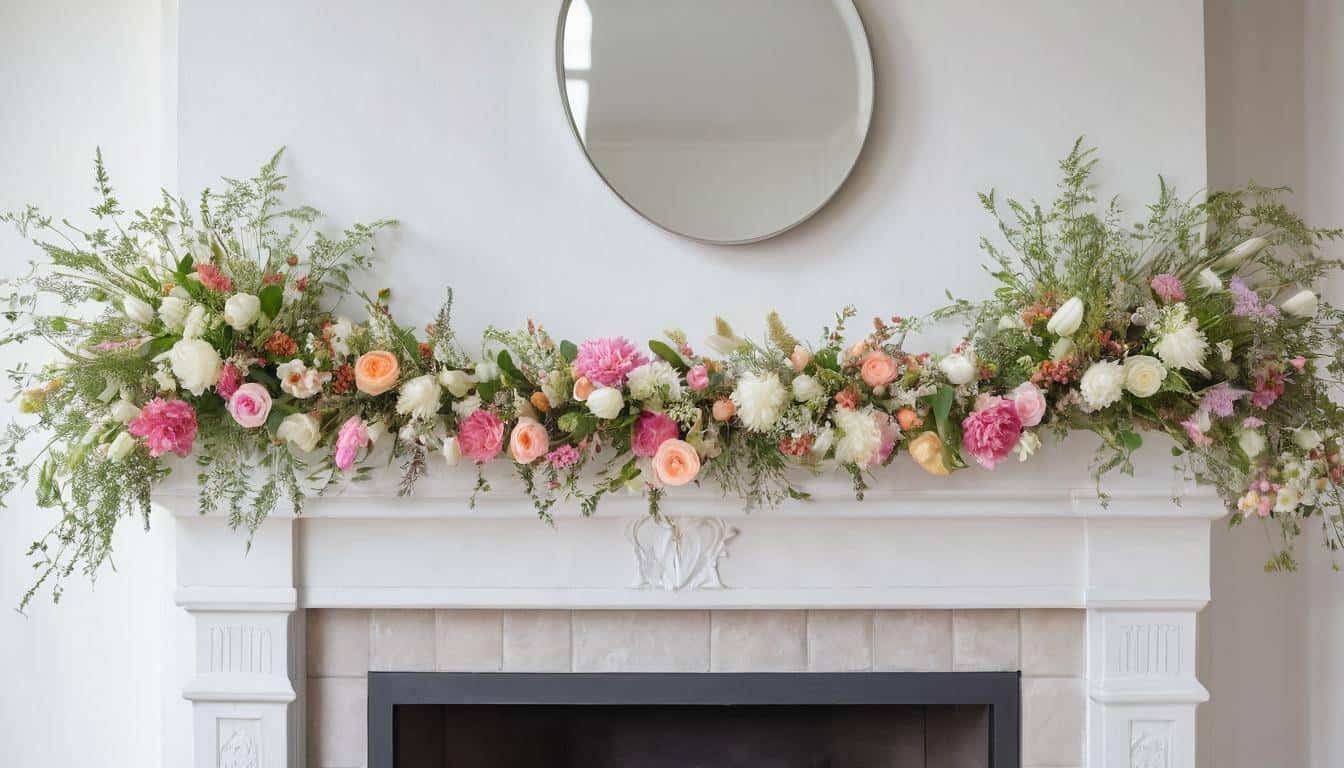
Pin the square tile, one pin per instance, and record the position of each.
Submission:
(641, 641)
(758, 641)
(401, 641)
(913, 641)
(338, 722)
(839, 641)
(338, 643)
(468, 641)
(1054, 642)
(537, 641)
(985, 641)
(1053, 713)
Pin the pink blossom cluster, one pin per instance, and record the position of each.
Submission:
(167, 426)
(607, 361)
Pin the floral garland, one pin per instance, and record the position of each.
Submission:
(215, 338)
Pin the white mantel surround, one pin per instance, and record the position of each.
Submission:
(1139, 566)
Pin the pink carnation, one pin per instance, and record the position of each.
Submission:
(168, 426)
(213, 277)
(697, 378)
(229, 380)
(481, 436)
(353, 436)
(991, 434)
(1029, 402)
(1168, 287)
(651, 430)
(607, 361)
(563, 457)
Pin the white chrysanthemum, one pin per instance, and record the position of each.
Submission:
(760, 399)
(859, 436)
(1102, 384)
(1180, 343)
(649, 380)
(419, 397)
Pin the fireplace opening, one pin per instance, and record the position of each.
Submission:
(804, 720)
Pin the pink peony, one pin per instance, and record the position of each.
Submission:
(698, 378)
(563, 457)
(250, 405)
(168, 426)
(991, 434)
(229, 380)
(607, 361)
(1030, 403)
(353, 436)
(481, 436)
(1168, 287)
(213, 277)
(890, 433)
(651, 430)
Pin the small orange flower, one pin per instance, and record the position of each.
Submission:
(281, 345)
(540, 401)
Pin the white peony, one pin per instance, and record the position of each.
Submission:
(458, 383)
(196, 365)
(859, 437)
(1307, 439)
(1144, 375)
(1027, 445)
(807, 388)
(138, 311)
(958, 368)
(467, 406)
(1102, 384)
(338, 334)
(173, 312)
(1301, 304)
(1067, 319)
(452, 452)
(606, 402)
(648, 380)
(300, 430)
(760, 399)
(195, 323)
(1252, 443)
(419, 397)
(241, 310)
(1237, 256)
(1209, 281)
(124, 411)
(299, 380)
(121, 446)
(1061, 349)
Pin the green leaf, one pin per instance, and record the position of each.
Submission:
(1131, 440)
(512, 375)
(669, 354)
(568, 350)
(184, 266)
(272, 297)
(160, 345)
(486, 390)
(941, 403)
(828, 358)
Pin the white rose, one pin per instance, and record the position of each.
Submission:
(196, 365)
(1183, 347)
(1252, 443)
(338, 334)
(124, 411)
(1102, 384)
(1027, 445)
(121, 446)
(1209, 281)
(300, 430)
(1301, 304)
(1287, 499)
(241, 310)
(859, 437)
(1307, 439)
(299, 380)
(458, 383)
(648, 380)
(1237, 256)
(958, 368)
(1067, 318)
(1061, 349)
(806, 388)
(138, 311)
(173, 312)
(606, 402)
(452, 452)
(1011, 323)
(419, 397)
(1144, 375)
(467, 406)
(760, 400)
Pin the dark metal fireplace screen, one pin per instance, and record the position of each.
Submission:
(774, 720)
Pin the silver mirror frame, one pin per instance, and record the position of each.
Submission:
(852, 19)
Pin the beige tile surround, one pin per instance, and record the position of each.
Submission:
(1046, 645)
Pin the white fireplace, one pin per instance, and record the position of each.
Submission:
(1093, 603)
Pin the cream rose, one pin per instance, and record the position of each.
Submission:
(1144, 375)
(137, 311)
(300, 430)
(419, 397)
(606, 402)
(458, 383)
(241, 310)
(958, 368)
(196, 365)
(1067, 319)
(759, 399)
(1102, 384)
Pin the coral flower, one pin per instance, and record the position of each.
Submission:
(528, 441)
(213, 277)
(168, 426)
(607, 361)
(676, 462)
(878, 369)
(376, 372)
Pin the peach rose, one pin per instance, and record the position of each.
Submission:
(540, 401)
(676, 462)
(908, 419)
(528, 441)
(878, 369)
(724, 409)
(583, 388)
(376, 372)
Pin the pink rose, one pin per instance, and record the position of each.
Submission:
(698, 378)
(166, 425)
(353, 436)
(528, 441)
(1029, 401)
(481, 436)
(652, 430)
(250, 405)
(991, 434)
(878, 369)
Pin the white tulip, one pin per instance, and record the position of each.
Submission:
(452, 452)
(300, 430)
(1301, 304)
(196, 365)
(137, 311)
(1237, 256)
(1252, 443)
(1011, 323)
(1067, 319)
(606, 402)
(958, 369)
(1209, 281)
(124, 411)
(458, 383)
(241, 310)
(806, 388)
(121, 446)
(195, 322)
(1061, 349)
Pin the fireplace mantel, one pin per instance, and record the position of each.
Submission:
(1139, 565)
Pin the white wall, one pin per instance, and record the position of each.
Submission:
(81, 681)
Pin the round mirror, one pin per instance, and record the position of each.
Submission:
(727, 121)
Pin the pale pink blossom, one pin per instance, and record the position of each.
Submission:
(990, 435)
(250, 405)
(1030, 403)
(353, 436)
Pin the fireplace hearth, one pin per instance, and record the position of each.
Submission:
(661, 720)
